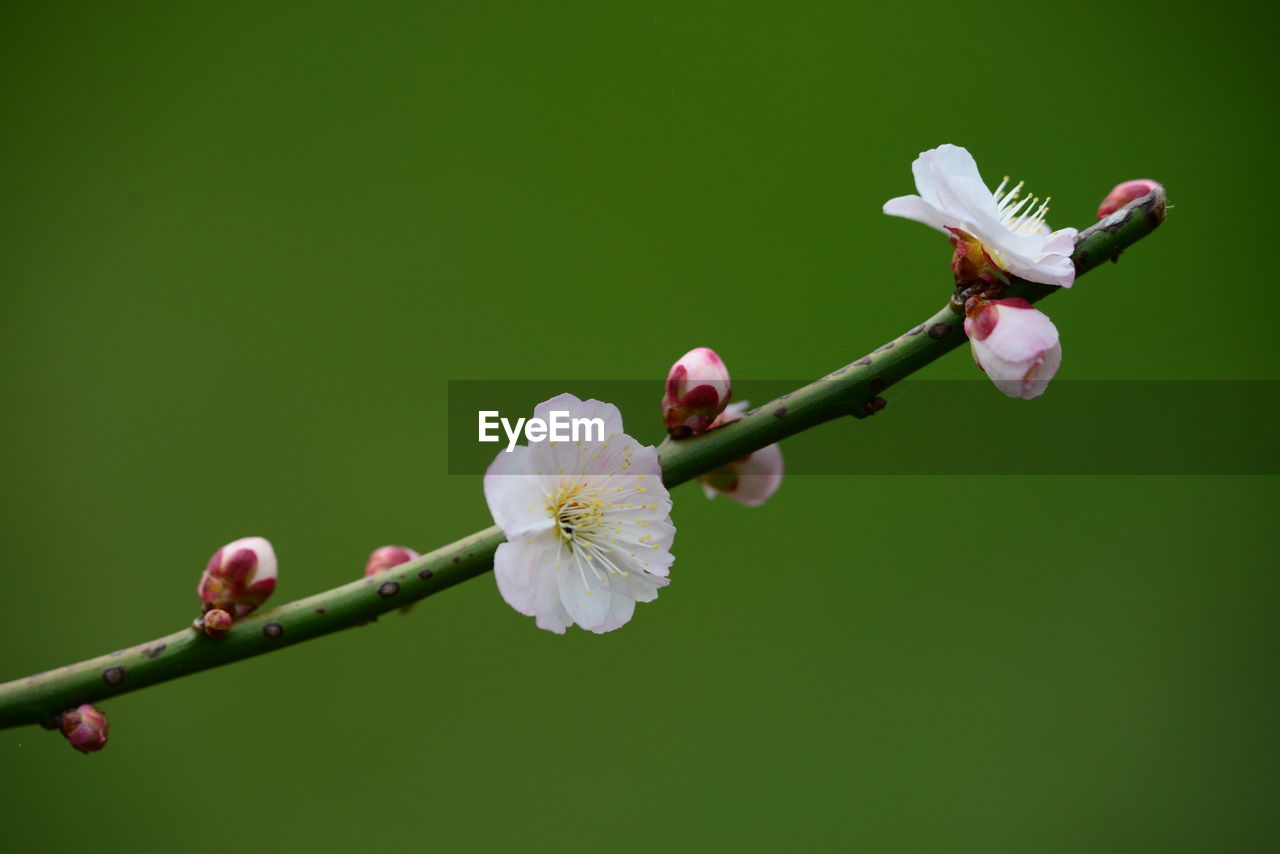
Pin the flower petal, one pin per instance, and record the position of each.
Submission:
(516, 497)
(516, 566)
(916, 208)
(576, 408)
(585, 596)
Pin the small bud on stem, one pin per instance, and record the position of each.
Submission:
(387, 557)
(384, 558)
(216, 622)
(1123, 193)
(698, 390)
(239, 577)
(85, 727)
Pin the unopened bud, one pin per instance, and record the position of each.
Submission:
(697, 391)
(751, 480)
(1015, 344)
(85, 727)
(216, 623)
(382, 559)
(1124, 193)
(240, 576)
(386, 557)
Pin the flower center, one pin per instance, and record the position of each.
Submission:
(580, 512)
(578, 516)
(1021, 217)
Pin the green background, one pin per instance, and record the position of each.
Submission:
(243, 248)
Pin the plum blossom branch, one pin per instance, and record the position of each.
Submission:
(851, 390)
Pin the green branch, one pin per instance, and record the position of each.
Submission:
(851, 390)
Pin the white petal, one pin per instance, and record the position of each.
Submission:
(1039, 257)
(1060, 242)
(585, 597)
(951, 161)
(551, 613)
(515, 495)
(621, 609)
(916, 208)
(576, 408)
(519, 566)
(639, 587)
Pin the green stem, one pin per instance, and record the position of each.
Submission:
(851, 390)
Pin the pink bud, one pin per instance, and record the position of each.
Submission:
(217, 623)
(388, 556)
(1124, 193)
(1015, 344)
(85, 727)
(751, 480)
(240, 576)
(697, 391)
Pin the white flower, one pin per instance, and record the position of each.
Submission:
(953, 195)
(1016, 345)
(751, 480)
(588, 524)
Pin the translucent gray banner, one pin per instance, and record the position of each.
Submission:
(959, 427)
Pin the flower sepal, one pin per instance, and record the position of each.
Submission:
(972, 263)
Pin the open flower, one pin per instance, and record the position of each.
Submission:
(588, 523)
(1010, 225)
(751, 480)
(240, 576)
(1015, 344)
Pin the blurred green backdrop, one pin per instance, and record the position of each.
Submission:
(243, 247)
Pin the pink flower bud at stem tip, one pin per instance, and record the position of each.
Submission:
(1124, 193)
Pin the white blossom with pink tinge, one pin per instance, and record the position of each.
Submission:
(1011, 226)
(588, 524)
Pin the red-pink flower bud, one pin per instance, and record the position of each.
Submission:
(386, 557)
(1124, 193)
(85, 727)
(240, 576)
(216, 622)
(697, 391)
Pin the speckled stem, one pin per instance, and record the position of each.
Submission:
(851, 390)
